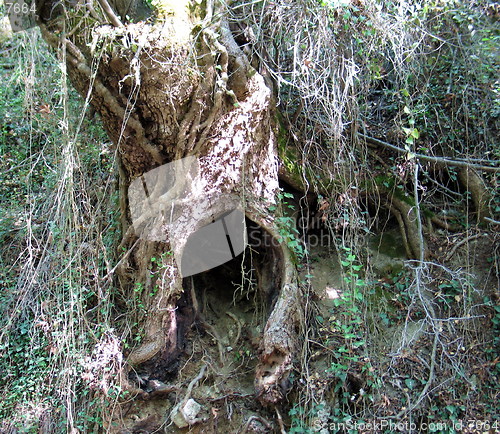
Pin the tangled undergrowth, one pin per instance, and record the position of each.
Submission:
(357, 81)
(352, 80)
(58, 226)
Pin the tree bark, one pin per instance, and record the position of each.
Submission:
(481, 199)
(166, 92)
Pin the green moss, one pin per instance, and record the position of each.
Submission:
(288, 154)
(390, 244)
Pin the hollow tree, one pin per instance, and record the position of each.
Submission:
(167, 90)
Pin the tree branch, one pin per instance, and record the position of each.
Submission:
(77, 59)
(110, 13)
(440, 161)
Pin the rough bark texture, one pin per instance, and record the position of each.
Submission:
(473, 183)
(164, 95)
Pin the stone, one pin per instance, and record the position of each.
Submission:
(187, 414)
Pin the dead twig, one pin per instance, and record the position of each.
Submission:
(257, 418)
(238, 325)
(461, 243)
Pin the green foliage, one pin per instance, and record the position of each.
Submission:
(345, 329)
(493, 350)
(25, 367)
(287, 226)
(452, 94)
(352, 277)
(50, 321)
(301, 418)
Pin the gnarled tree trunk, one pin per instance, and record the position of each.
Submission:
(166, 92)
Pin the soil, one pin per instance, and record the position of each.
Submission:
(223, 340)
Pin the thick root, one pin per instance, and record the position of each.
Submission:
(407, 220)
(280, 340)
(480, 196)
(278, 347)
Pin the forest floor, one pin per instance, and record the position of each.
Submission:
(373, 384)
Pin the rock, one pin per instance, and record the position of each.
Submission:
(179, 420)
(187, 414)
(156, 385)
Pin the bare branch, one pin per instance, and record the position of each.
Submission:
(110, 13)
(440, 161)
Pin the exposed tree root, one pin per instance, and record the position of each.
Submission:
(280, 339)
(238, 325)
(480, 196)
(397, 214)
(442, 223)
(410, 220)
(255, 418)
(407, 220)
(461, 243)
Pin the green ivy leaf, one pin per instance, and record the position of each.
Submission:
(410, 383)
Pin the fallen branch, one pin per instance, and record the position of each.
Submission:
(440, 161)
(110, 13)
(461, 243)
(257, 418)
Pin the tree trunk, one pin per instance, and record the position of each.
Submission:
(167, 96)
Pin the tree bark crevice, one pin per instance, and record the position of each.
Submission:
(171, 104)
